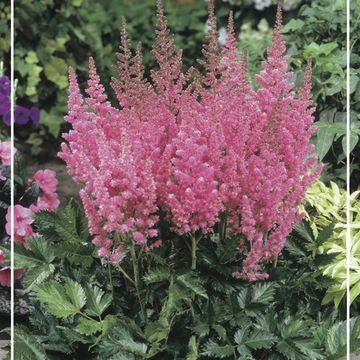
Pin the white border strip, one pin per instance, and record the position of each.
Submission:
(348, 233)
(12, 296)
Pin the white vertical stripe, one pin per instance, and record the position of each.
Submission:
(12, 297)
(348, 234)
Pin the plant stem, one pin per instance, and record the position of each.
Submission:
(193, 251)
(125, 273)
(222, 227)
(85, 316)
(110, 280)
(136, 278)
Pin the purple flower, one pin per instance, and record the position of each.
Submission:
(7, 119)
(4, 104)
(21, 115)
(34, 115)
(4, 85)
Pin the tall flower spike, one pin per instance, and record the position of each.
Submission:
(131, 85)
(123, 63)
(305, 91)
(168, 78)
(96, 91)
(211, 49)
(231, 38)
(79, 153)
(75, 101)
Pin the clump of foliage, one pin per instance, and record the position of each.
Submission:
(85, 308)
(326, 215)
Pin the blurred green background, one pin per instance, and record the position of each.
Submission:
(53, 34)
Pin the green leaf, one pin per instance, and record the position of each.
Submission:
(201, 329)
(193, 350)
(191, 282)
(39, 253)
(75, 293)
(157, 331)
(56, 71)
(325, 234)
(215, 351)
(37, 275)
(62, 300)
(293, 25)
(336, 339)
(89, 327)
(260, 339)
(256, 339)
(354, 139)
(27, 346)
(96, 301)
(53, 121)
(263, 293)
(309, 348)
(119, 344)
(325, 137)
(156, 275)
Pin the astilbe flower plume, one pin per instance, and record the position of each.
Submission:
(195, 146)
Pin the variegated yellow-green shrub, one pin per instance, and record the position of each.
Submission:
(326, 205)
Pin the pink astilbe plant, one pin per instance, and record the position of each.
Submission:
(202, 148)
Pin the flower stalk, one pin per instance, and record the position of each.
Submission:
(193, 251)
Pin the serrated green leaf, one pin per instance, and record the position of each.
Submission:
(96, 301)
(215, 351)
(61, 300)
(89, 327)
(325, 234)
(158, 274)
(260, 339)
(263, 293)
(36, 275)
(120, 341)
(192, 283)
(27, 346)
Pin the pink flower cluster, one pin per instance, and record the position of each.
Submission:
(194, 146)
(5, 155)
(48, 200)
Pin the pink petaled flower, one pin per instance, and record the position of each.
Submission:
(22, 223)
(103, 252)
(5, 272)
(155, 245)
(117, 255)
(5, 152)
(49, 202)
(46, 179)
(139, 237)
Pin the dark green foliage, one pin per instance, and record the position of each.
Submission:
(85, 309)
